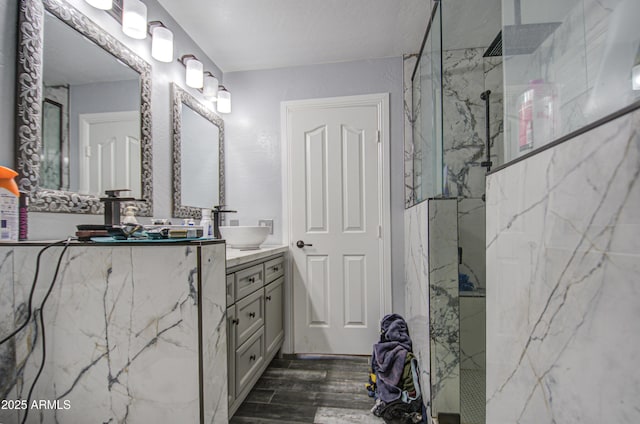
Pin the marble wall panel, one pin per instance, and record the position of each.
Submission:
(444, 310)
(214, 334)
(121, 333)
(416, 250)
(472, 332)
(563, 258)
(464, 121)
(471, 233)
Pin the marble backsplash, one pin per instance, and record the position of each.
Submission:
(563, 257)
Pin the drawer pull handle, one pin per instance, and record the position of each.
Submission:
(252, 279)
(235, 321)
(252, 357)
(252, 314)
(268, 297)
(276, 269)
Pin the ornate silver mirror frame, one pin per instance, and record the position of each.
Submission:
(180, 97)
(29, 110)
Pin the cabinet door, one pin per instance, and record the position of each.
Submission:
(250, 314)
(274, 315)
(232, 323)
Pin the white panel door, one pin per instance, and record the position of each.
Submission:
(110, 153)
(336, 181)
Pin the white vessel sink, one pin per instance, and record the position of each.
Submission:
(239, 237)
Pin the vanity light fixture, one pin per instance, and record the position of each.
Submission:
(134, 19)
(195, 71)
(101, 4)
(224, 100)
(210, 89)
(635, 77)
(161, 42)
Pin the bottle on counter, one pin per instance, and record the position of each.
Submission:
(206, 223)
(9, 205)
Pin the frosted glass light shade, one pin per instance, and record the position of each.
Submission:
(162, 44)
(101, 4)
(210, 89)
(635, 77)
(134, 19)
(224, 101)
(195, 73)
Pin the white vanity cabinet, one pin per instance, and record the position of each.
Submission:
(255, 322)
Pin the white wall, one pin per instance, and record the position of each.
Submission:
(54, 226)
(252, 131)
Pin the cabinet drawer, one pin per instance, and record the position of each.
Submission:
(250, 316)
(249, 358)
(249, 280)
(273, 269)
(231, 291)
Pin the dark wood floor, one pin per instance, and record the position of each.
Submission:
(318, 390)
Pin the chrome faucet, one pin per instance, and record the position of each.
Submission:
(217, 211)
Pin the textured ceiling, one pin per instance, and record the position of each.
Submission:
(259, 34)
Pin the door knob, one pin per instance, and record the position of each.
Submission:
(302, 244)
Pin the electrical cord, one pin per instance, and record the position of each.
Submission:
(44, 340)
(39, 311)
(33, 289)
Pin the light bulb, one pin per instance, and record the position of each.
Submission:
(194, 77)
(101, 4)
(224, 101)
(134, 19)
(210, 89)
(162, 44)
(635, 77)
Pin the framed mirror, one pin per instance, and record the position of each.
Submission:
(83, 113)
(198, 155)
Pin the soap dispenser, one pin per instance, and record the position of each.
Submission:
(130, 215)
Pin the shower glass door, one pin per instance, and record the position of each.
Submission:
(427, 113)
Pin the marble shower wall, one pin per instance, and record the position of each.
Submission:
(444, 314)
(472, 332)
(416, 268)
(121, 346)
(431, 278)
(563, 259)
(466, 75)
